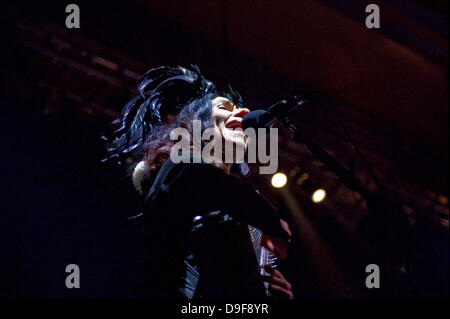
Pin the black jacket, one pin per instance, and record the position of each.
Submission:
(196, 237)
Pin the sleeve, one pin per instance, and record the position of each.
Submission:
(206, 188)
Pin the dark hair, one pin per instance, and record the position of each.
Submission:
(169, 97)
(157, 144)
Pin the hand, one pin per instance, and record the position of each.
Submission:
(279, 287)
(277, 246)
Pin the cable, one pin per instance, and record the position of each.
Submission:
(353, 145)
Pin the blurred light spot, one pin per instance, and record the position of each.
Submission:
(279, 180)
(319, 195)
(302, 179)
(294, 171)
(442, 200)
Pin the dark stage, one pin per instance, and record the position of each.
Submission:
(61, 89)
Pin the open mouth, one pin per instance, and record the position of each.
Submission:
(234, 123)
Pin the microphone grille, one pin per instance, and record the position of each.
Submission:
(253, 119)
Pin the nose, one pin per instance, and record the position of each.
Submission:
(240, 112)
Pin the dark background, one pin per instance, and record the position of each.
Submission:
(62, 87)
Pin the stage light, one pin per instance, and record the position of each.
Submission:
(319, 195)
(279, 180)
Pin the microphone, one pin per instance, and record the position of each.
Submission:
(262, 119)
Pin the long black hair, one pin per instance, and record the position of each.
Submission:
(169, 97)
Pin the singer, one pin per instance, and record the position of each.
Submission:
(196, 216)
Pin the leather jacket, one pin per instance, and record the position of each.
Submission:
(197, 243)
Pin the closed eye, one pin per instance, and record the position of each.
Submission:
(229, 106)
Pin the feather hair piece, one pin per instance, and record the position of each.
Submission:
(162, 91)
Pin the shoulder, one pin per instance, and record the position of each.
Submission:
(185, 172)
(190, 170)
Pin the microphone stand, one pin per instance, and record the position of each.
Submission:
(376, 227)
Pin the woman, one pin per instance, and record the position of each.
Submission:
(196, 215)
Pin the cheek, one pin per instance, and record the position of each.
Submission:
(217, 127)
(221, 131)
(218, 121)
(219, 117)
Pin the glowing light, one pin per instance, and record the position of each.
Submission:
(279, 180)
(319, 195)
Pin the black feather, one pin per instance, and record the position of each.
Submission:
(162, 91)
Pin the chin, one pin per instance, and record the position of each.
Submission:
(241, 144)
(236, 139)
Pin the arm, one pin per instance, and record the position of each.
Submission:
(207, 188)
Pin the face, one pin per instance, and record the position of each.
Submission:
(227, 119)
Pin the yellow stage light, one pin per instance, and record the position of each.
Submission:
(279, 180)
(319, 195)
